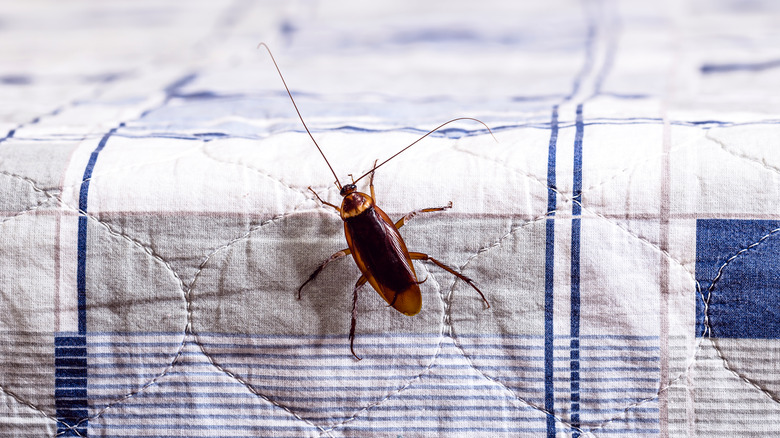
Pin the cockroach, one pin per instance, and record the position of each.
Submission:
(373, 239)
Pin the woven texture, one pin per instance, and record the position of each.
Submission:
(623, 222)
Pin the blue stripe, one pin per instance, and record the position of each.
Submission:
(70, 385)
(369, 429)
(338, 387)
(728, 68)
(576, 225)
(70, 362)
(577, 183)
(69, 341)
(551, 187)
(302, 379)
(332, 368)
(331, 411)
(70, 352)
(9, 135)
(90, 167)
(549, 396)
(380, 338)
(81, 274)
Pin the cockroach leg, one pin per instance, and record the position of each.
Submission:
(369, 236)
(371, 181)
(392, 303)
(323, 202)
(422, 256)
(336, 256)
(414, 213)
(361, 281)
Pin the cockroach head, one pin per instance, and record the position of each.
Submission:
(347, 189)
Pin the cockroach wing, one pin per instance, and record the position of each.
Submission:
(381, 255)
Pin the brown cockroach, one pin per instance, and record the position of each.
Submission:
(373, 239)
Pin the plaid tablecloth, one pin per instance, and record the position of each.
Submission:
(156, 222)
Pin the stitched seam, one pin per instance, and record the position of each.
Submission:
(691, 359)
(136, 391)
(35, 408)
(38, 204)
(439, 347)
(254, 169)
(411, 381)
(150, 252)
(184, 288)
(707, 332)
(324, 429)
(213, 362)
(665, 253)
(196, 337)
(57, 199)
(146, 250)
(236, 240)
(459, 346)
(739, 155)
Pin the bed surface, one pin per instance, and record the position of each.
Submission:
(622, 221)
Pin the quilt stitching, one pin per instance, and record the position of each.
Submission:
(30, 405)
(145, 249)
(251, 388)
(707, 332)
(495, 244)
(666, 254)
(742, 156)
(260, 172)
(709, 292)
(246, 235)
(409, 382)
(168, 267)
(186, 290)
(151, 253)
(636, 404)
(40, 203)
(327, 428)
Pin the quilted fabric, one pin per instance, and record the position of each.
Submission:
(623, 222)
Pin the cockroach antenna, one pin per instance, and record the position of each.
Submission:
(338, 183)
(427, 134)
(374, 242)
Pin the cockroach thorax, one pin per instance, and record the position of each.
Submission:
(355, 203)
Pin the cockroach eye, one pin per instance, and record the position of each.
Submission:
(347, 189)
